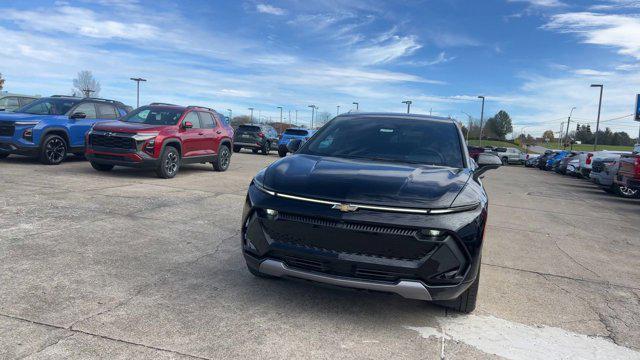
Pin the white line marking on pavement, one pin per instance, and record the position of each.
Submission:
(517, 341)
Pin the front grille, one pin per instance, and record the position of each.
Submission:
(114, 142)
(112, 157)
(337, 237)
(7, 130)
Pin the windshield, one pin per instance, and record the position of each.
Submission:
(296, 132)
(390, 139)
(249, 128)
(154, 116)
(49, 106)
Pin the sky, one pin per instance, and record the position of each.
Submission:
(534, 59)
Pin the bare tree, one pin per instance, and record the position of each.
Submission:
(1, 82)
(87, 84)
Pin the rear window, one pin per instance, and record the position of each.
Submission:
(249, 128)
(296, 132)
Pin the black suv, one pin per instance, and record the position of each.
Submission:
(384, 202)
(257, 137)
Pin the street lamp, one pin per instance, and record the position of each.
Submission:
(566, 135)
(481, 118)
(251, 113)
(408, 102)
(296, 117)
(138, 80)
(469, 128)
(595, 142)
(313, 108)
(230, 114)
(357, 104)
(280, 107)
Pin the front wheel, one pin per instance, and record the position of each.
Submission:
(265, 148)
(466, 302)
(101, 167)
(626, 192)
(3, 156)
(282, 152)
(505, 161)
(169, 163)
(237, 148)
(54, 150)
(223, 160)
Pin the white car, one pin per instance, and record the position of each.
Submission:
(586, 158)
(510, 155)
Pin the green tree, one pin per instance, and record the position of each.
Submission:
(548, 135)
(500, 124)
(1, 82)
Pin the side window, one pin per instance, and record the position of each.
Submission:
(25, 101)
(12, 103)
(106, 111)
(88, 108)
(207, 120)
(193, 118)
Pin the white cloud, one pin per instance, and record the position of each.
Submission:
(591, 72)
(269, 9)
(542, 3)
(386, 49)
(440, 59)
(619, 31)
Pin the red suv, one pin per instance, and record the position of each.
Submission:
(161, 137)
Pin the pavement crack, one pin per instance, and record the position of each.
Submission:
(555, 241)
(43, 348)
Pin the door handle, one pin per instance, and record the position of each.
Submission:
(218, 132)
(200, 133)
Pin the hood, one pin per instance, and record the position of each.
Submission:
(13, 117)
(366, 182)
(126, 127)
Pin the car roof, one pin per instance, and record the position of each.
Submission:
(4, 95)
(395, 115)
(80, 99)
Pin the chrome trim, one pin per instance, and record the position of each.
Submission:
(409, 289)
(454, 209)
(300, 198)
(27, 123)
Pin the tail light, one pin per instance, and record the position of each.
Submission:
(637, 167)
(589, 156)
(260, 135)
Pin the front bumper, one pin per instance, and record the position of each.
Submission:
(364, 250)
(9, 146)
(135, 159)
(247, 145)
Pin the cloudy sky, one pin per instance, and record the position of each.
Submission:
(535, 58)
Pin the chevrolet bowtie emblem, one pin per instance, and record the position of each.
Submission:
(345, 207)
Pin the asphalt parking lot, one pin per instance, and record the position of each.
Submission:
(125, 265)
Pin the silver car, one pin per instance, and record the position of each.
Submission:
(603, 172)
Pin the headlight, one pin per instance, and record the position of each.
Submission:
(261, 187)
(145, 136)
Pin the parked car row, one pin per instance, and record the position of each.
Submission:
(507, 155)
(616, 172)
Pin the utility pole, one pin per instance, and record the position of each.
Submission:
(357, 104)
(481, 118)
(408, 102)
(87, 92)
(566, 135)
(469, 128)
(595, 142)
(137, 80)
(289, 116)
(560, 134)
(280, 107)
(313, 108)
(296, 117)
(230, 114)
(337, 110)
(251, 114)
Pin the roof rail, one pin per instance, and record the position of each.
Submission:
(200, 107)
(107, 100)
(68, 96)
(161, 103)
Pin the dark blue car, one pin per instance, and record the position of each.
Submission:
(51, 127)
(554, 160)
(290, 134)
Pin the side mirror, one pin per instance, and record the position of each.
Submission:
(486, 161)
(294, 145)
(78, 115)
(187, 125)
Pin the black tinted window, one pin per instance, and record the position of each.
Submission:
(390, 139)
(296, 132)
(249, 128)
(49, 106)
(88, 109)
(154, 116)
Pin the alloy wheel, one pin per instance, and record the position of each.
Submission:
(171, 163)
(55, 150)
(627, 191)
(225, 158)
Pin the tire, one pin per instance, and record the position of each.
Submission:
(169, 163)
(266, 147)
(626, 193)
(282, 153)
(223, 159)
(466, 302)
(4, 156)
(255, 151)
(237, 148)
(54, 150)
(101, 167)
(505, 161)
(257, 273)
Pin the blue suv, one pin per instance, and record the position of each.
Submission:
(51, 127)
(290, 134)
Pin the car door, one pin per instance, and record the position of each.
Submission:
(211, 137)
(191, 138)
(79, 127)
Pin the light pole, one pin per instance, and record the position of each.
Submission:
(357, 104)
(289, 116)
(566, 135)
(469, 128)
(337, 110)
(560, 134)
(87, 92)
(595, 142)
(296, 117)
(138, 80)
(280, 107)
(481, 118)
(251, 113)
(313, 108)
(230, 114)
(408, 102)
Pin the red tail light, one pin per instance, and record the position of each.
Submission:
(637, 167)
(589, 156)
(260, 135)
